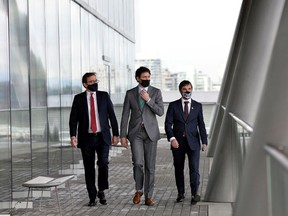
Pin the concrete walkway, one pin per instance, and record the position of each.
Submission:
(121, 191)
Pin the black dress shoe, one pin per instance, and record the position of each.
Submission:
(195, 199)
(92, 203)
(180, 198)
(102, 198)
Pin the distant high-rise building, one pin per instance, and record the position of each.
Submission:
(202, 82)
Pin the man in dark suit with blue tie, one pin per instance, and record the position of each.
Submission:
(185, 127)
(89, 122)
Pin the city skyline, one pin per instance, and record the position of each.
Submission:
(168, 80)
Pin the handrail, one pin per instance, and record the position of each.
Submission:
(242, 123)
(279, 153)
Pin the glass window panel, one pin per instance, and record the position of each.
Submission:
(5, 155)
(66, 87)
(93, 4)
(99, 41)
(105, 8)
(4, 60)
(39, 139)
(18, 54)
(106, 44)
(5, 144)
(38, 86)
(85, 41)
(117, 11)
(112, 62)
(65, 51)
(111, 10)
(52, 128)
(52, 53)
(37, 53)
(93, 43)
(20, 100)
(76, 49)
(21, 152)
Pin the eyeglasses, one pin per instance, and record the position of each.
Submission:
(93, 81)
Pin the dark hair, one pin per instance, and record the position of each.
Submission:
(184, 83)
(86, 75)
(141, 70)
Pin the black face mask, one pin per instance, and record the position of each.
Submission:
(145, 83)
(93, 87)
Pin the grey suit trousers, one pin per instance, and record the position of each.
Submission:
(144, 160)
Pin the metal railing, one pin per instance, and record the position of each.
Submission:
(277, 178)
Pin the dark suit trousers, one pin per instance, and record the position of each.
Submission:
(95, 144)
(193, 162)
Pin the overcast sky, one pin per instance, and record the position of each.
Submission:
(186, 34)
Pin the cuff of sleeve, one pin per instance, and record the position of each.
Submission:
(172, 138)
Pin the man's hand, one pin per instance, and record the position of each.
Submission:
(73, 141)
(174, 143)
(115, 140)
(124, 142)
(204, 147)
(144, 95)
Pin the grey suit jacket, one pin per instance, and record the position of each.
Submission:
(147, 115)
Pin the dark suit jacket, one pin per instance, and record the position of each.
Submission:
(79, 117)
(194, 126)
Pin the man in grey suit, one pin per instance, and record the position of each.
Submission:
(142, 103)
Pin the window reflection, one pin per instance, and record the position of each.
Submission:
(45, 50)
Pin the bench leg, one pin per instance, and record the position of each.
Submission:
(58, 201)
(27, 199)
(40, 204)
(69, 190)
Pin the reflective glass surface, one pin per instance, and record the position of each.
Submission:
(46, 47)
(5, 139)
(76, 49)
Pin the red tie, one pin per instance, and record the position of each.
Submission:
(186, 109)
(92, 114)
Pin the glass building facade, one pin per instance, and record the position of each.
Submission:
(46, 46)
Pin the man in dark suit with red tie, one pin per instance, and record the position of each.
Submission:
(185, 127)
(90, 131)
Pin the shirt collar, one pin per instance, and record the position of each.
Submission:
(183, 100)
(140, 88)
(89, 93)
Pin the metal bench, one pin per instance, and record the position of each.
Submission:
(48, 182)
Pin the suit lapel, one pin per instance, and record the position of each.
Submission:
(98, 97)
(180, 109)
(190, 111)
(136, 96)
(84, 102)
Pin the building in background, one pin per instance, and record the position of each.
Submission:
(155, 67)
(167, 80)
(202, 82)
(46, 47)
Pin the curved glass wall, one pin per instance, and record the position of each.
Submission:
(46, 47)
